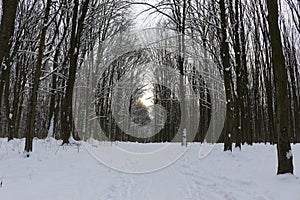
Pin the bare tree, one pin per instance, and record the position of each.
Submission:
(7, 25)
(67, 126)
(225, 58)
(35, 82)
(285, 156)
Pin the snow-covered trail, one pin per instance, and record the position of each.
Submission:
(55, 172)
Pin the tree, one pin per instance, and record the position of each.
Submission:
(67, 127)
(225, 59)
(284, 152)
(7, 25)
(30, 125)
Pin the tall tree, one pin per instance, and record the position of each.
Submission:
(7, 25)
(284, 152)
(225, 59)
(67, 127)
(30, 125)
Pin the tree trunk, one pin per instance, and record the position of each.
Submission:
(284, 152)
(239, 83)
(67, 123)
(7, 26)
(228, 128)
(30, 124)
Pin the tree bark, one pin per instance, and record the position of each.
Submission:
(7, 27)
(284, 152)
(67, 124)
(228, 127)
(239, 83)
(30, 124)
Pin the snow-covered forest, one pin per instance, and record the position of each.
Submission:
(167, 89)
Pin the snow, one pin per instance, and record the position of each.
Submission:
(227, 69)
(61, 172)
(51, 128)
(0, 11)
(289, 154)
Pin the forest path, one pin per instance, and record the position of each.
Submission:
(56, 172)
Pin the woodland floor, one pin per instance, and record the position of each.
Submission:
(62, 173)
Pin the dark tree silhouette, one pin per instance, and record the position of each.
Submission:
(285, 157)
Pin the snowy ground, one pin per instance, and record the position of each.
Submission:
(56, 172)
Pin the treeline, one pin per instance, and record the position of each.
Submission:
(43, 43)
(42, 46)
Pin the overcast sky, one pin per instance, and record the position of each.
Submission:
(142, 19)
